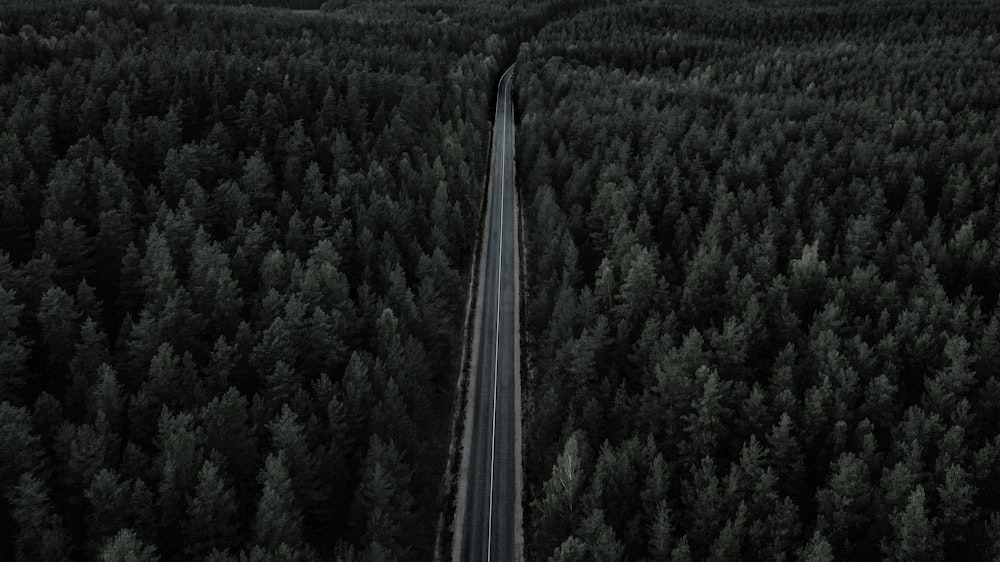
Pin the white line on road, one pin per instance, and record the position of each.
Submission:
(496, 347)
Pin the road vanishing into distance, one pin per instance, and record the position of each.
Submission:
(488, 510)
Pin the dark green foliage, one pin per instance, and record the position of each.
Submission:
(762, 270)
(126, 546)
(41, 535)
(13, 346)
(278, 526)
(233, 249)
(762, 281)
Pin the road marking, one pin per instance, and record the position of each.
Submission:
(496, 346)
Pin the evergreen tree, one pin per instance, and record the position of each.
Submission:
(558, 510)
(816, 550)
(126, 546)
(279, 519)
(228, 430)
(60, 323)
(13, 349)
(41, 535)
(212, 511)
(116, 504)
(915, 537)
(381, 502)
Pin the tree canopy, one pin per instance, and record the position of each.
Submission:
(762, 287)
(233, 252)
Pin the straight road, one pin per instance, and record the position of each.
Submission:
(487, 512)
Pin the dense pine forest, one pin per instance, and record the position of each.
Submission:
(234, 246)
(763, 281)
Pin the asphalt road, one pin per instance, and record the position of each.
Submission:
(491, 497)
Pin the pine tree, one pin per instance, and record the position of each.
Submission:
(41, 535)
(682, 552)
(126, 546)
(816, 550)
(214, 291)
(786, 454)
(639, 287)
(596, 542)
(703, 498)
(106, 395)
(223, 361)
(84, 450)
(957, 504)
(914, 535)
(13, 346)
(844, 505)
(60, 322)
(558, 507)
(181, 457)
(173, 380)
(90, 353)
(211, 514)
(279, 518)
(661, 531)
(573, 549)
(13, 222)
(159, 278)
(301, 459)
(706, 423)
(257, 178)
(382, 501)
(951, 385)
(228, 430)
(116, 504)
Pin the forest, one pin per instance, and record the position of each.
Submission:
(762, 282)
(234, 246)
